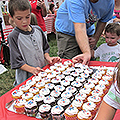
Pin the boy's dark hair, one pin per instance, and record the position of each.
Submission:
(113, 28)
(20, 5)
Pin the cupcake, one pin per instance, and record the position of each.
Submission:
(81, 96)
(84, 75)
(53, 68)
(108, 78)
(49, 100)
(97, 92)
(64, 102)
(17, 94)
(38, 99)
(89, 85)
(71, 113)
(42, 74)
(58, 64)
(74, 74)
(56, 81)
(40, 85)
(51, 75)
(81, 79)
(19, 106)
(105, 82)
(88, 71)
(66, 72)
(84, 115)
(36, 78)
(27, 96)
(46, 80)
(94, 99)
(24, 88)
(44, 91)
(77, 103)
(60, 76)
(59, 88)
(69, 78)
(71, 69)
(86, 91)
(101, 88)
(57, 112)
(45, 111)
(79, 70)
(50, 86)
(90, 106)
(56, 94)
(31, 108)
(77, 85)
(48, 71)
(68, 62)
(71, 89)
(34, 90)
(67, 94)
(31, 83)
(65, 83)
(93, 80)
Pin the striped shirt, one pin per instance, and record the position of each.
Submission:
(112, 98)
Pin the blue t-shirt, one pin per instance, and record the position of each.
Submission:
(82, 11)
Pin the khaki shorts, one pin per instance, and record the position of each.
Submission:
(67, 46)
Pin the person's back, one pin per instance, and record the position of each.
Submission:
(109, 51)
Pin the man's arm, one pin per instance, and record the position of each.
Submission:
(82, 40)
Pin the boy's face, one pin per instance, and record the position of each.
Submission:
(111, 39)
(22, 19)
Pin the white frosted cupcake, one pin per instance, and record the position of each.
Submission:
(93, 80)
(71, 89)
(64, 102)
(31, 108)
(17, 94)
(44, 91)
(27, 96)
(31, 83)
(34, 90)
(77, 85)
(39, 99)
(90, 106)
(45, 111)
(56, 94)
(69, 78)
(71, 113)
(84, 75)
(89, 85)
(40, 85)
(50, 86)
(81, 96)
(36, 78)
(97, 92)
(49, 100)
(24, 88)
(56, 81)
(81, 79)
(51, 75)
(68, 62)
(57, 112)
(42, 74)
(85, 91)
(95, 99)
(67, 94)
(46, 80)
(79, 70)
(65, 83)
(59, 88)
(77, 103)
(60, 76)
(84, 115)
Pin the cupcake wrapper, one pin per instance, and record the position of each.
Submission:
(72, 117)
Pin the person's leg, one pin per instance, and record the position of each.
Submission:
(67, 46)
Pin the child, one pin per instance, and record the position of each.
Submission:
(109, 51)
(111, 101)
(28, 46)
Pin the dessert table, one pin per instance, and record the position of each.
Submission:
(8, 115)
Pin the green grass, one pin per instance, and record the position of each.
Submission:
(7, 79)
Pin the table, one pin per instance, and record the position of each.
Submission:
(8, 115)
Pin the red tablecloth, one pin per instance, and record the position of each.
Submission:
(8, 115)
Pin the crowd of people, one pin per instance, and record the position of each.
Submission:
(79, 25)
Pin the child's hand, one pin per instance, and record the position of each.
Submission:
(53, 60)
(36, 70)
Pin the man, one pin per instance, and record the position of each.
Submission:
(75, 27)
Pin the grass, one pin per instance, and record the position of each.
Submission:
(7, 79)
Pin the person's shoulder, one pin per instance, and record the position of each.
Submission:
(13, 33)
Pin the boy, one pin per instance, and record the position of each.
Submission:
(109, 51)
(28, 45)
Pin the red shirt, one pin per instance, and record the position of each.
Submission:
(39, 16)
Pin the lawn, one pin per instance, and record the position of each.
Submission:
(7, 78)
